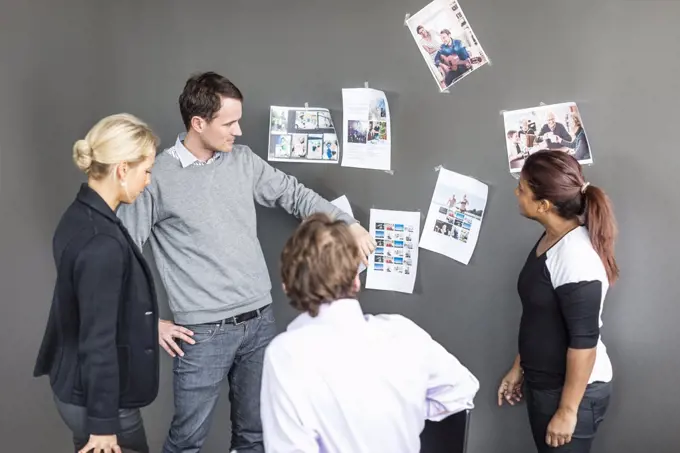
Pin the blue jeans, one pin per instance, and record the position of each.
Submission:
(222, 351)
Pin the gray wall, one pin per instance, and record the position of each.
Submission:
(64, 66)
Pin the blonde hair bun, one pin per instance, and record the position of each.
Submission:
(82, 155)
(114, 139)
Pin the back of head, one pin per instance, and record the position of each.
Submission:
(202, 96)
(319, 263)
(114, 139)
(558, 178)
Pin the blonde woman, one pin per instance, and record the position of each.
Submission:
(100, 347)
(579, 145)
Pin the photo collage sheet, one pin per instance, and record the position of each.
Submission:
(556, 127)
(394, 264)
(302, 134)
(367, 130)
(455, 216)
(446, 41)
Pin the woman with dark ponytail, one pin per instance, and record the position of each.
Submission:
(562, 367)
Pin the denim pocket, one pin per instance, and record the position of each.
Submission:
(203, 333)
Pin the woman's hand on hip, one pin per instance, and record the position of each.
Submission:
(101, 444)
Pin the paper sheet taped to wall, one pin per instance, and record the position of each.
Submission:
(455, 216)
(367, 132)
(302, 134)
(446, 41)
(394, 264)
(556, 127)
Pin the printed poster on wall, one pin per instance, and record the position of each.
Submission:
(367, 131)
(301, 134)
(556, 127)
(394, 264)
(446, 42)
(455, 216)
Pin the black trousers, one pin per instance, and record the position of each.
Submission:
(542, 405)
(131, 438)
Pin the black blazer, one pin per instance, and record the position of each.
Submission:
(100, 347)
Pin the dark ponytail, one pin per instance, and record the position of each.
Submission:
(556, 176)
(599, 219)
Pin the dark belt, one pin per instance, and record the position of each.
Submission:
(247, 316)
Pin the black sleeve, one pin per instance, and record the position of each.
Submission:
(569, 144)
(563, 133)
(98, 278)
(580, 306)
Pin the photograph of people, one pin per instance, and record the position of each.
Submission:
(356, 131)
(451, 202)
(279, 119)
(305, 119)
(431, 44)
(377, 109)
(560, 129)
(446, 42)
(325, 121)
(579, 146)
(463, 203)
(553, 132)
(299, 148)
(516, 153)
(331, 147)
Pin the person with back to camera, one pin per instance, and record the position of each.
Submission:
(340, 381)
(100, 347)
(562, 361)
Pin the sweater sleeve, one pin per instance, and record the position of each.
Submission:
(98, 279)
(273, 187)
(140, 217)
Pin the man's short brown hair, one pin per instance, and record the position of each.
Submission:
(202, 96)
(319, 263)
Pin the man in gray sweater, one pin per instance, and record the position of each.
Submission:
(199, 215)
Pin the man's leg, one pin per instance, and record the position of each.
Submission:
(245, 380)
(198, 377)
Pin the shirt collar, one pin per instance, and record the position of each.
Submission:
(185, 156)
(91, 198)
(341, 311)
